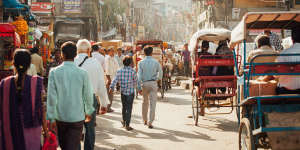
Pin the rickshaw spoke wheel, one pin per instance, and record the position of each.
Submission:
(246, 139)
(195, 107)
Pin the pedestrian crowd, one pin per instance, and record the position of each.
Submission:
(80, 82)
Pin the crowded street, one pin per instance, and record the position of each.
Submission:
(149, 74)
(174, 129)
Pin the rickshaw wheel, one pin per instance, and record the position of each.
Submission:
(195, 107)
(246, 139)
(201, 103)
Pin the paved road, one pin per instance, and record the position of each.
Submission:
(173, 130)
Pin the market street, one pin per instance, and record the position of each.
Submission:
(173, 130)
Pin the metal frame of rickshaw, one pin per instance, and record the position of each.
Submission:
(251, 119)
(201, 84)
(157, 43)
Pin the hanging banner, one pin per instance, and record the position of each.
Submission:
(72, 6)
(41, 7)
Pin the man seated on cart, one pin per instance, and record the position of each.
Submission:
(204, 71)
(289, 84)
(264, 47)
(223, 49)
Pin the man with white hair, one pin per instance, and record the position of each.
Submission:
(111, 65)
(96, 76)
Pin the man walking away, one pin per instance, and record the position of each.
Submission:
(127, 79)
(37, 60)
(96, 75)
(149, 71)
(97, 55)
(111, 66)
(119, 57)
(69, 99)
(186, 60)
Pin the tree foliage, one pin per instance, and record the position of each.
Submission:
(111, 12)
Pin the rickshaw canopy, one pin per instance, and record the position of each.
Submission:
(264, 20)
(211, 35)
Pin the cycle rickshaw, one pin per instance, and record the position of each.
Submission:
(224, 86)
(266, 121)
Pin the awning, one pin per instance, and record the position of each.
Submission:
(264, 20)
(7, 30)
(13, 4)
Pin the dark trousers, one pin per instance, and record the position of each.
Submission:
(283, 90)
(69, 134)
(186, 68)
(127, 101)
(90, 132)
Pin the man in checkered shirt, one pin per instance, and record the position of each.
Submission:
(274, 39)
(127, 78)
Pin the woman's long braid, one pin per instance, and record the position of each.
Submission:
(22, 61)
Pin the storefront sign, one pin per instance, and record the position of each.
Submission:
(72, 6)
(258, 31)
(210, 2)
(41, 7)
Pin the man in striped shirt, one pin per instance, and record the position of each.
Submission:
(127, 78)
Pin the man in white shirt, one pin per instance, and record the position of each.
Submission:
(111, 66)
(96, 76)
(290, 84)
(119, 57)
(264, 47)
(96, 54)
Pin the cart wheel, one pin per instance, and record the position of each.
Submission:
(202, 107)
(246, 139)
(195, 107)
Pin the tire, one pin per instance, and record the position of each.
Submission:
(195, 107)
(201, 103)
(246, 138)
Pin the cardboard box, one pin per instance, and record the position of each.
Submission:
(284, 140)
(260, 88)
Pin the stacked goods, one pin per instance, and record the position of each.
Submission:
(284, 140)
(260, 88)
(21, 26)
(114, 43)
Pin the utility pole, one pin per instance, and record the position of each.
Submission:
(97, 15)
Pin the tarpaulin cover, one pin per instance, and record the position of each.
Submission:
(13, 4)
(264, 20)
(211, 35)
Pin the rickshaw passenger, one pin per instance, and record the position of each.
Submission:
(289, 84)
(223, 49)
(204, 71)
(264, 47)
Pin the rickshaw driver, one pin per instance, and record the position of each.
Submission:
(289, 84)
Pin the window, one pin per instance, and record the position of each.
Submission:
(297, 2)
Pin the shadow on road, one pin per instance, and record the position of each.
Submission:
(219, 124)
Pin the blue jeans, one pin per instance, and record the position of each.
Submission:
(90, 133)
(127, 101)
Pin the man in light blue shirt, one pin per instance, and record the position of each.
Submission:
(69, 99)
(149, 72)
